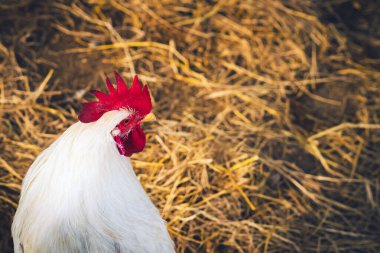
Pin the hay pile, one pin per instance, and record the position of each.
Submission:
(251, 152)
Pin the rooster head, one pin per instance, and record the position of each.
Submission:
(128, 134)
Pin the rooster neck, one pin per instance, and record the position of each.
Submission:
(84, 172)
(81, 195)
(90, 155)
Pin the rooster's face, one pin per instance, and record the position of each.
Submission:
(128, 134)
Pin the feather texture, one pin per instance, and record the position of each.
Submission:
(81, 195)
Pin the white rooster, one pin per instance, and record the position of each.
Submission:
(81, 193)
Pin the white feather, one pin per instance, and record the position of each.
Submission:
(81, 195)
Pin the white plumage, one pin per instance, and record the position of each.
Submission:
(81, 195)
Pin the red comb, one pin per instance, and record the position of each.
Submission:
(137, 98)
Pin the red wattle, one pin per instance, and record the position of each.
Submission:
(132, 143)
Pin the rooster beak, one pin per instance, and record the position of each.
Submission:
(149, 118)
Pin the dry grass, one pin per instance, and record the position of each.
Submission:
(268, 136)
